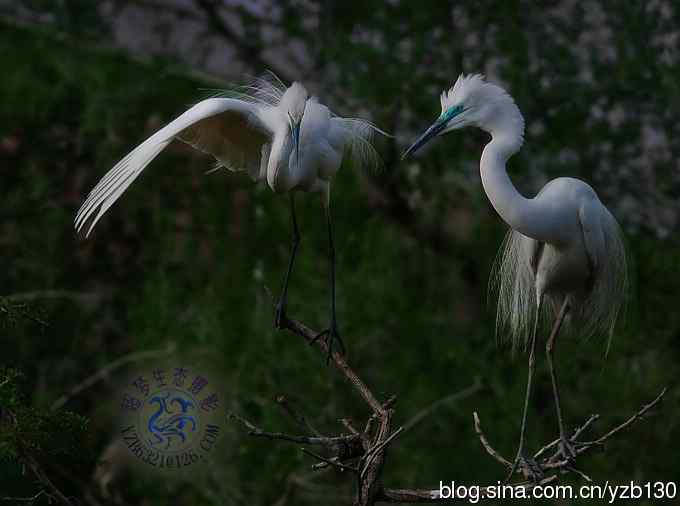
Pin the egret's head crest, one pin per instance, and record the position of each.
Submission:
(465, 92)
(294, 100)
(472, 101)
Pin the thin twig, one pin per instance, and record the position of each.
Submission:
(368, 429)
(637, 416)
(52, 294)
(106, 371)
(51, 490)
(574, 437)
(329, 462)
(371, 455)
(580, 473)
(255, 431)
(455, 397)
(382, 444)
(347, 423)
(485, 443)
(300, 419)
(24, 499)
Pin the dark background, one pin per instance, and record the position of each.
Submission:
(191, 259)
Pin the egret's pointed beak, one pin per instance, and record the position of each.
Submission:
(429, 134)
(296, 142)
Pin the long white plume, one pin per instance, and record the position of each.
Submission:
(514, 280)
(358, 137)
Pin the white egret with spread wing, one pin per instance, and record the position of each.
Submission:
(564, 257)
(277, 134)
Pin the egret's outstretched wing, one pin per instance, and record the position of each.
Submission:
(355, 136)
(233, 131)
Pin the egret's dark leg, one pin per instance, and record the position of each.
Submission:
(566, 447)
(331, 333)
(280, 313)
(522, 459)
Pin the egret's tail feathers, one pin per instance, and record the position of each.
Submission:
(514, 281)
(116, 181)
(607, 300)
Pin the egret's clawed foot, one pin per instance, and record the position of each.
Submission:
(280, 315)
(567, 449)
(528, 467)
(331, 337)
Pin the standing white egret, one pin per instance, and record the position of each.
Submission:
(564, 256)
(277, 134)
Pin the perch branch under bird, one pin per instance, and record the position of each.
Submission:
(549, 460)
(357, 452)
(360, 451)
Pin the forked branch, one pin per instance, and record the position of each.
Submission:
(360, 453)
(550, 459)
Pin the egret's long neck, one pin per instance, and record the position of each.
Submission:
(277, 169)
(507, 136)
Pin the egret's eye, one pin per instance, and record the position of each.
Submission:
(451, 112)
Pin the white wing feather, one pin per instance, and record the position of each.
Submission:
(233, 131)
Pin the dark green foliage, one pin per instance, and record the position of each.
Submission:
(43, 435)
(192, 259)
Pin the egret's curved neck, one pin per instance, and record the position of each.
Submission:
(277, 168)
(507, 136)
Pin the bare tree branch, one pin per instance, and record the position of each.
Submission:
(339, 361)
(106, 371)
(52, 294)
(363, 454)
(577, 433)
(556, 462)
(300, 419)
(36, 469)
(335, 462)
(449, 399)
(31, 499)
(310, 440)
(485, 443)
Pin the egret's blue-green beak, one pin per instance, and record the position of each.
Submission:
(430, 133)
